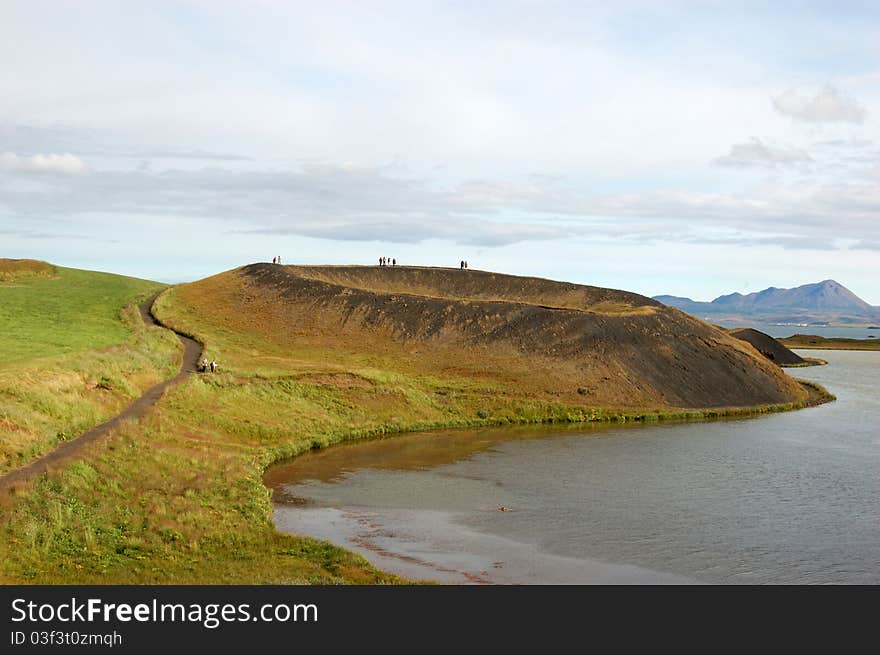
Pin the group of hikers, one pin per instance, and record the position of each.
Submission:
(383, 261)
(204, 366)
(391, 261)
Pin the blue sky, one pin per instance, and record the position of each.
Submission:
(692, 148)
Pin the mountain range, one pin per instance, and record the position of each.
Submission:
(826, 302)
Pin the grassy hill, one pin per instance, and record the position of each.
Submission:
(314, 356)
(535, 338)
(73, 350)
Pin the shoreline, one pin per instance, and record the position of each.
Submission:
(817, 395)
(350, 529)
(808, 361)
(429, 547)
(811, 342)
(373, 496)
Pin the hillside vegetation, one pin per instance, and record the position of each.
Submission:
(314, 356)
(530, 337)
(23, 269)
(812, 342)
(74, 351)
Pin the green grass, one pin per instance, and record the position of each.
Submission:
(178, 497)
(78, 310)
(73, 351)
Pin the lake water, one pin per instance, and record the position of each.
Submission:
(831, 332)
(786, 498)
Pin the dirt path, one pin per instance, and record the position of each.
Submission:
(192, 350)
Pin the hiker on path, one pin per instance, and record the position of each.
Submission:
(213, 366)
(203, 365)
(461, 264)
(394, 262)
(465, 263)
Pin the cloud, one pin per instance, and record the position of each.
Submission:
(51, 164)
(845, 143)
(342, 202)
(827, 106)
(349, 202)
(792, 216)
(180, 154)
(758, 153)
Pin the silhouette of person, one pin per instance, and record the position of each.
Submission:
(394, 262)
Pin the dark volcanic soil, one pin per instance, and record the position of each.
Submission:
(619, 348)
(768, 346)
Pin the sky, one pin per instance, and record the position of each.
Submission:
(685, 148)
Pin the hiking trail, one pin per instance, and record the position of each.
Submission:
(136, 409)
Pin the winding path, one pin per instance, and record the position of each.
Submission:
(192, 350)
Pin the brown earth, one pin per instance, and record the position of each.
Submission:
(16, 269)
(769, 347)
(577, 344)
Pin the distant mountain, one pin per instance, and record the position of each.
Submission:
(823, 302)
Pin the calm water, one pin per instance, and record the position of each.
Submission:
(788, 498)
(837, 332)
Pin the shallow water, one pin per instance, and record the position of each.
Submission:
(786, 498)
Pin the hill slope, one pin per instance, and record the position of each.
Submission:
(313, 356)
(769, 347)
(50, 310)
(73, 351)
(826, 301)
(576, 344)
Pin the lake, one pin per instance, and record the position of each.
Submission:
(779, 499)
(829, 332)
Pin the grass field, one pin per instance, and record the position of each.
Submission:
(74, 351)
(178, 497)
(69, 312)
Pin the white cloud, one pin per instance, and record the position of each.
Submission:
(758, 153)
(827, 106)
(51, 164)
